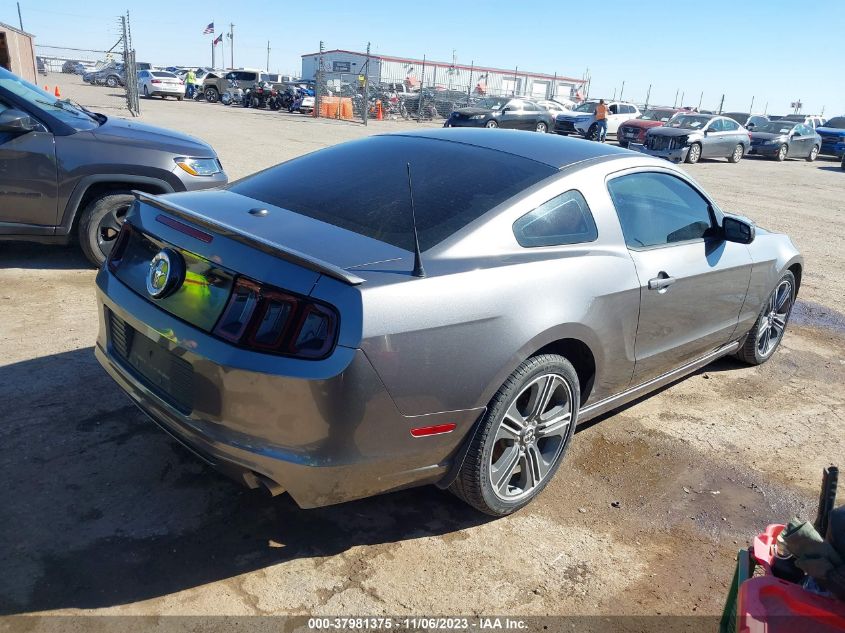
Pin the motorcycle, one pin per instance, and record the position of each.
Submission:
(261, 92)
(234, 95)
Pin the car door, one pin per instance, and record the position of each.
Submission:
(533, 114)
(692, 282)
(713, 145)
(28, 179)
(142, 80)
(513, 115)
(618, 114)
(801, 140)
(735, 135)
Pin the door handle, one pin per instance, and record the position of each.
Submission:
(661, 282)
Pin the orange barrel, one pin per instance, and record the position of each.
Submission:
(346, 108)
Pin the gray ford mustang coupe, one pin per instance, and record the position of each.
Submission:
(289, 330)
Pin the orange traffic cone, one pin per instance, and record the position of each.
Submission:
(57, 93)
(46, 88)
(379, 113)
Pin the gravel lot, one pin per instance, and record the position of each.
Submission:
(102, 513)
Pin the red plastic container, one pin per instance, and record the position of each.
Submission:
(766, 604)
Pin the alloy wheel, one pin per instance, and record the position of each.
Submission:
(774, 318)
(782, 152)
(530, 437)
(694, 153)
(814, 153)
(542, 127)
(109, 227)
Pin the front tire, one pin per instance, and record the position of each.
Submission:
(491, 124)
(111, 82)
(523, 437)
(100, 223)
(211, 95)
(738, 153)
(694, 153)
(765, 337)
(542, 128)
(783, 150)
(623, 143)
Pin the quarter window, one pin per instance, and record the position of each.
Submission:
(729, 125)
(657, 209)
(565, 219)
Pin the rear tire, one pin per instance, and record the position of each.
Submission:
(738, 153)
(814, 154)
(211, 95)
(146, 93)
(542, 127)
(100, 222)
(179, 98)
(528, 426)
(491, 124)
(768, 331)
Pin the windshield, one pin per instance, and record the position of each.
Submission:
(775, 127)
(836, 122)
(688, 121)
(163, 74)
(43, 101)
(589, 106)
(491, 104)
(657, 115)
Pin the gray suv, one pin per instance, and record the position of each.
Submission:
(67, 171)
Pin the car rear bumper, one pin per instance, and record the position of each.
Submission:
(832, 147)
(678, 155)
(324, 431)
(174, 91)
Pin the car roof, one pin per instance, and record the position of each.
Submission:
(550, 149)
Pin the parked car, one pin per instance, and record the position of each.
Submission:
(302, 370)
(69, 172)
(159, 83)
(112, 75)
(748, 121)
(812, 120)
(69, 67)
(833, 137)
(504, 112)
(583, 118)
(689, 137)
(215, 83)
(785, 139)
(556, 106)
(634, 130)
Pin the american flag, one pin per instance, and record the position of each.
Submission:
(209, 29)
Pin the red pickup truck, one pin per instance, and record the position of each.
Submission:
(633, 130)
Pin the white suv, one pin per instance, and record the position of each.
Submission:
(582, 119)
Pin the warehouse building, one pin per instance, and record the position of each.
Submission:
(17, 52)
(349, 66)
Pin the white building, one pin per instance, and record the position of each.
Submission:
(348, 66)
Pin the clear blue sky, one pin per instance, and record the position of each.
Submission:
(772, 50)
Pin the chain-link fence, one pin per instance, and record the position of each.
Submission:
(114, 69)
(361, 87)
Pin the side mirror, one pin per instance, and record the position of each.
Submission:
(12, 120)
(737, 230)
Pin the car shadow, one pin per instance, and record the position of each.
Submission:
(46, 256)
(831, 168)
(100, 508)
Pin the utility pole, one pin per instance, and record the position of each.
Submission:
(365, 114)
(721, 103)
(751, 107)
(469, 83)
(232, 44)
(675, 102)
(700, 99)
(20, 19)
(621, 92)
(268, 56)
(647, 97)
(682, 100)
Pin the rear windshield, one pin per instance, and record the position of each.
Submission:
(362, 186)
(837, 122)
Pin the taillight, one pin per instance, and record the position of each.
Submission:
(119, 247)
(269, 320)
(156, 81)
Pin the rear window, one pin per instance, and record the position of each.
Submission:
(837, 122)
(362, 186)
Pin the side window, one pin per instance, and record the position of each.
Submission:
(565, 219)
(232, 75)
(629, 109)
(529, 107)
(514, 106)
(614, 108)
(729, 125)
(657, 209)
(717, 125)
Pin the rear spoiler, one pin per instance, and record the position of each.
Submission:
(230, 232)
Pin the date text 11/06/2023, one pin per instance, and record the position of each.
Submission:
(415, 623)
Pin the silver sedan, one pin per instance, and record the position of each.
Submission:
(160, 83)
(335, 331)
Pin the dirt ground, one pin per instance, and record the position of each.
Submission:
(102, 513)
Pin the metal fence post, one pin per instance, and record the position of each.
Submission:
(422, 85)
(318, 85)
(366, 106)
